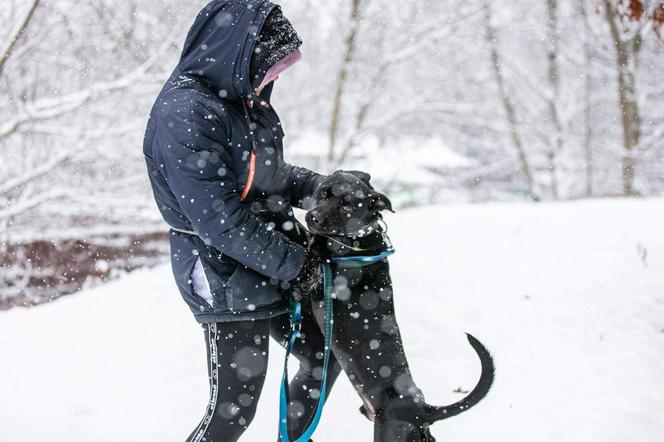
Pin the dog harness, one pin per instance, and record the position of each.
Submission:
(346, 262)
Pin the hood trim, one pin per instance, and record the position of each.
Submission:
(280, 66)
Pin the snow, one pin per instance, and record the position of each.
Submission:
(569, 297)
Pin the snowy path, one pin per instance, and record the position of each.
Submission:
(569, 297)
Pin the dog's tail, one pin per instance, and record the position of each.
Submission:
(481, 389)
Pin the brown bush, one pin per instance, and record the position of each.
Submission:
(41, 271)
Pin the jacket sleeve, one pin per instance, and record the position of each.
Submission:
(207, 191)
(302, 184)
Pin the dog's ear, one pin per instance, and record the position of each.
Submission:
(380, 202)
(363, 176)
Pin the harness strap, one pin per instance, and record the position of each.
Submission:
(362, 261)
(328, 322)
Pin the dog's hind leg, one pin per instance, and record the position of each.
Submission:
(391, 430)
(399, 431)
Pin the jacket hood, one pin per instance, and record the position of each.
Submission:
(219, 46)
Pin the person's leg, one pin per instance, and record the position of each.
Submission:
(237, 362)
(304, 390)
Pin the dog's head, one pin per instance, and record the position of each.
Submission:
(345, 204)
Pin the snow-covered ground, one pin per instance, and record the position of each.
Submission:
(569, 297)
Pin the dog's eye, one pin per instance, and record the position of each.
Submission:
(347, 209)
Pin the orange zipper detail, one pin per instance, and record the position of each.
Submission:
(250, 178)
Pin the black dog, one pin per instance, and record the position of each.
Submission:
(345, 218)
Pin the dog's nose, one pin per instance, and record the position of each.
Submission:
(313, 218)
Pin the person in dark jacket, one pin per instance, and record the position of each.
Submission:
(214, 153)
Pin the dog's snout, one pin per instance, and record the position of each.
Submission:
(313, 218)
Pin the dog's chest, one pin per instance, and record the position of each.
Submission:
(367, 339)
(365, 289)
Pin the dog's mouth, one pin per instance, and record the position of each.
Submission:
(325, 232)
(357, 233)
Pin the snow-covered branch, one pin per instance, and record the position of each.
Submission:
(53, 107)
(37, 172)
(24, 205)
(49, 108)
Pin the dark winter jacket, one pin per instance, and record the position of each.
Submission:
(197, 148)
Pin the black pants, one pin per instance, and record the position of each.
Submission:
(237, 363)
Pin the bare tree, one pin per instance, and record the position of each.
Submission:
(627, 43)
(508, 106)
(394, 47)
(588, 101)
(628, 21)
(342, 76)
(553, 101)
(73, 102)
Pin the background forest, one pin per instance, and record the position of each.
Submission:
(481, 100)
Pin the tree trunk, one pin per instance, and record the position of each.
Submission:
(626, 54)
(554, 96)
(7, 51)
(342, 77)
(588, 104)
(508, 106)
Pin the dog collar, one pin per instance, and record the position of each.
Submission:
(366, 259)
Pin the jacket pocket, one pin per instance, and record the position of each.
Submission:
(197, 274)
(213, 278)
(201, 284)
(184, 265)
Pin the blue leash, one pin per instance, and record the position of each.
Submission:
(296, 324)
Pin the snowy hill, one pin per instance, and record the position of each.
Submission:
(569, 297)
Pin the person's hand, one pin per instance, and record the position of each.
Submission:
(309, 277)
